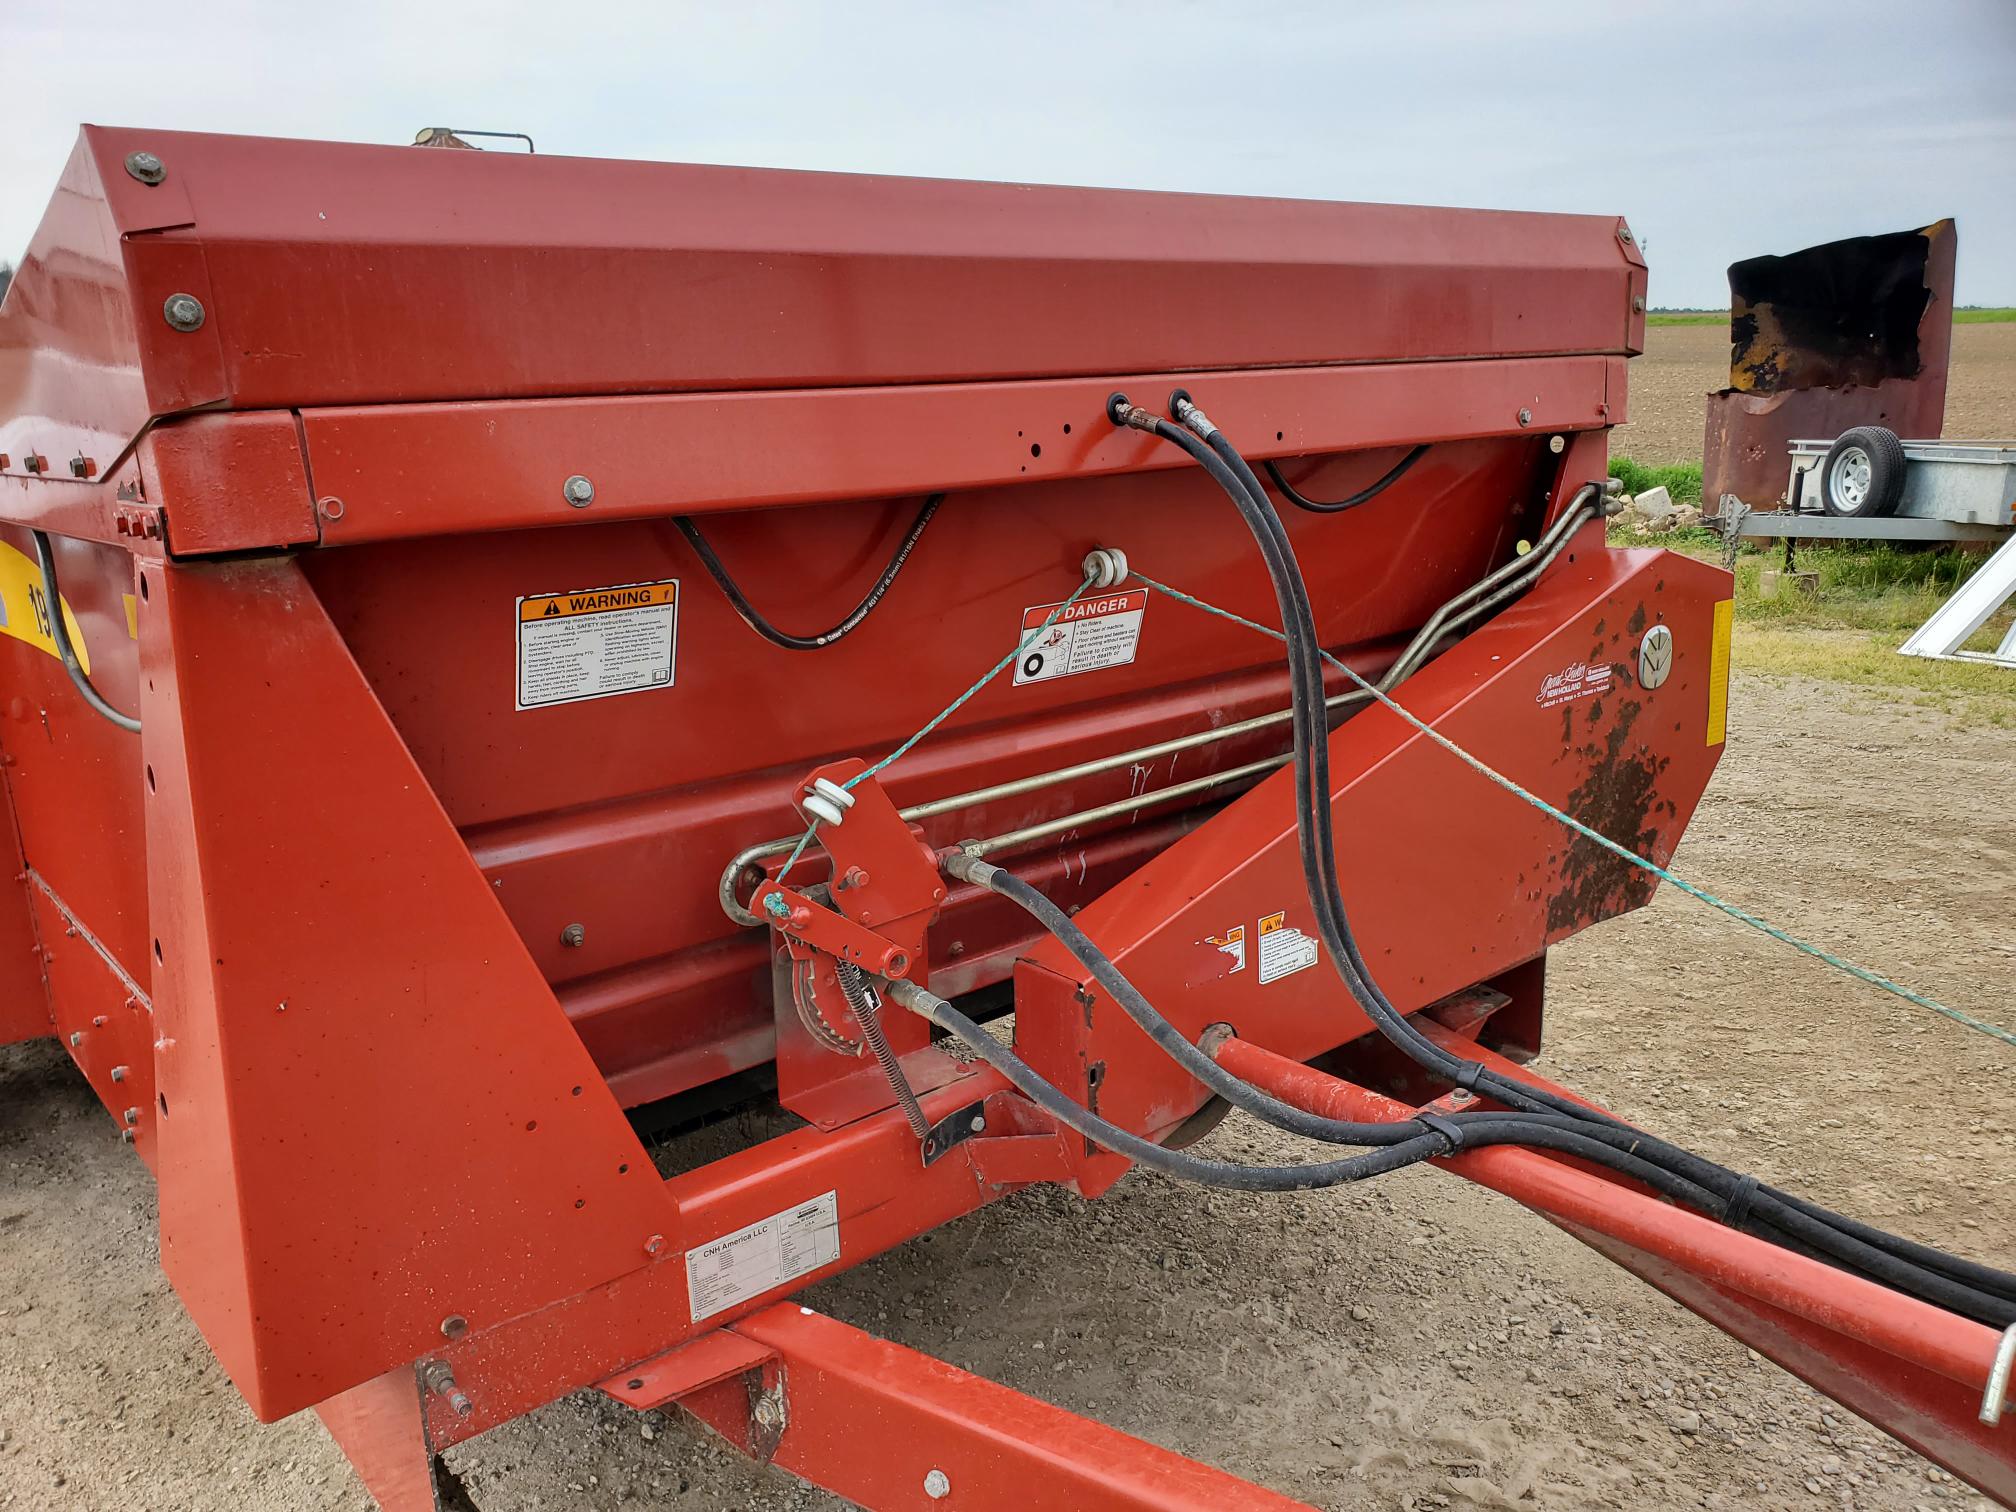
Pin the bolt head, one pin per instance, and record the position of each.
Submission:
(132, 1116)
(578, 491)
(146, 167)
(574, 936)
(1638, 303)
(1525, 417)
(769, 1412)
(183, 311)
(118, 1073)
(655, 1245)
(979, 1124)
(937, 1485)
(76, 1038)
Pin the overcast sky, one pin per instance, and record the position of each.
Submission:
(1721, 130)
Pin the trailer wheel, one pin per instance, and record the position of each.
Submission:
(1863, 474)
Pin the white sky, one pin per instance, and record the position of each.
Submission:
(1720, 129)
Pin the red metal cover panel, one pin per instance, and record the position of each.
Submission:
(342, 274)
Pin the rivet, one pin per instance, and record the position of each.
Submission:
(578, 491)
(183, 311)
(146, 167)
(979, 1124)
(1557, 444)
(937, 1485)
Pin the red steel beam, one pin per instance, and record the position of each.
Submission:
(1914, 1370)
(890, 1428)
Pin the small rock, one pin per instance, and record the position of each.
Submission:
(1361, 1314)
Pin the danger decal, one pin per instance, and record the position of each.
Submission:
(596, 642)
(1089, 636)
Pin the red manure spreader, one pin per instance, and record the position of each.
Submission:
(503, 653)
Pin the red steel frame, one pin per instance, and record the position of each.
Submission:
(332, 1009)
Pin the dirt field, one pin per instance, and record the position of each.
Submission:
(1418, 1345)
(1682, 364)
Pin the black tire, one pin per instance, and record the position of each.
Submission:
(1863, 474)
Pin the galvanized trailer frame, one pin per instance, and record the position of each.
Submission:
(304, 934)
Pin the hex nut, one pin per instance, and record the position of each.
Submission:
(1525, 417)
(183, 311)
(578, 491)
(146, 167)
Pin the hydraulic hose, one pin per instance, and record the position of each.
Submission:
(1266, 1178)
(1974, 1290)
(59, 632)
(1364, 495)
(754, 618)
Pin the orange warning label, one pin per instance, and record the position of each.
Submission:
(598, 601)
(1273, 922)
(596, 642)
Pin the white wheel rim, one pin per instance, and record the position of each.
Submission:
(1853, 474)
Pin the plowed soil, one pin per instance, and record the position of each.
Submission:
(1683, 364)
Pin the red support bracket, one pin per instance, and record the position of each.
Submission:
(885, 1426)
(807, 925)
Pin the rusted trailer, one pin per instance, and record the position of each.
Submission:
(459, 612)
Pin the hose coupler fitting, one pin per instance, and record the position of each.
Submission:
(1126, 414)
(1184, 411)
(969, 868)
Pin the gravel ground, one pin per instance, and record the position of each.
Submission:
(1419, 1345)
(1683, 364)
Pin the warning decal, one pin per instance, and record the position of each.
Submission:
(596, 642)
(1233, 944)
(1283, 951)
(1092, 634)
(752, 1260)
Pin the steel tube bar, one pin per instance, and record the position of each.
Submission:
(1951, 1346)
(888, 1427)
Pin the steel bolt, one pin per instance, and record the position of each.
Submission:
(655, 1246)
(937, 1485)
(574, 936)
(34, 462)
(82, 466)
(1638, 303)
(132, 1115)
(76, 1038)
(1557, 444)
(979, 1124)
(769, 1411)
(1461, 1095)
(146, 167)
(578, 491)
(118, 1073)
(184, 312)
(1525, 417)
(125, 1136)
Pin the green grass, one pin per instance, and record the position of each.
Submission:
(1871, 596)
(1976, 315)
(1681, 479)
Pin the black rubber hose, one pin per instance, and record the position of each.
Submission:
(1364, 495)
(753, 617)
(1880, 1259)
(60, 634)
(1292, 1178)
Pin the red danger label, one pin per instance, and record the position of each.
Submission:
(1090, 635)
